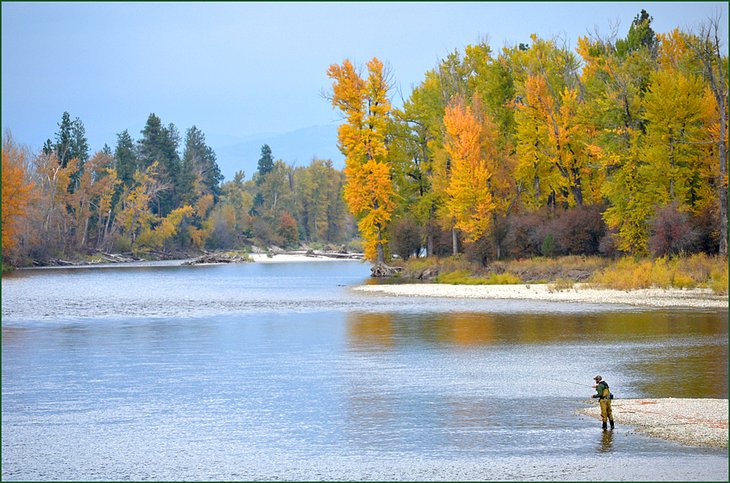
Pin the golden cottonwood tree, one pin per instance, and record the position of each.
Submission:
(135, 216)
(93, 194)
(17, 192)
(471, 144)
(553, 163)
(368, 188)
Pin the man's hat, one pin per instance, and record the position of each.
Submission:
(598, 378)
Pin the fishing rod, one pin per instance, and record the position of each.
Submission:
(569, 382)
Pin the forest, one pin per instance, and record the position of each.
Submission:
(618, 146)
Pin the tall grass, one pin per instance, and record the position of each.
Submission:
(627, 273)
(465, 277)
(698, 270)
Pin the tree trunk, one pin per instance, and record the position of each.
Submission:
(454, 242)
(380, 257)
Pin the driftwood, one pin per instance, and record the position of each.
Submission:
(216, 258)
(380, 270)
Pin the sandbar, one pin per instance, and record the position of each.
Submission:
(579, 293)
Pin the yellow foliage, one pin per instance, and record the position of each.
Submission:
(156, 238)
(471, 146)
(369, 190)
(696, 271)
(17, 192)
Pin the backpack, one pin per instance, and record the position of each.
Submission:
(610, 393)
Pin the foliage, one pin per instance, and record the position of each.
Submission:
(696, 271)
(17, 193)
(362, 139)
(464, 277)
(672, 234)
(616, 147)
(406, 238)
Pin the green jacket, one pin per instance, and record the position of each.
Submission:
(602, 390)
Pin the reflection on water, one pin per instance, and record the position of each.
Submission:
(285, 375)
(606, 441)
(672, 354)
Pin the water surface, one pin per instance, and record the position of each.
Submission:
(279, 371)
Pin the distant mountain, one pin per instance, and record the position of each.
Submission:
(296, 147)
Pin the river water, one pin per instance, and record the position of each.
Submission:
(278, 371)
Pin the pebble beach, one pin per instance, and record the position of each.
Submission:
(694, 422)
(579, 293)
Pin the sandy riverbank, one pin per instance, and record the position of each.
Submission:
(288, 258)
(695, 422)
(580, 293)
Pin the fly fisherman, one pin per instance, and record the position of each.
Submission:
(604, 399)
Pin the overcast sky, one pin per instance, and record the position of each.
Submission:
(237, 70)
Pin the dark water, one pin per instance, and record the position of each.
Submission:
(280, 372)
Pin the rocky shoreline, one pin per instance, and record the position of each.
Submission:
(693, 422)
(201, 258)
(579, 293)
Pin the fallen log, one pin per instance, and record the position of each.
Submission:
(381, 270)
(216, 258)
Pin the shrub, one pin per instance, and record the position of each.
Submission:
(547, 249)
(560, 284)
(406, 238)
(480, 251)
(696, 271)
(524, 237)
(465, 277)
(288, 229)
(578, 230)
(706, 225)
(671, 232)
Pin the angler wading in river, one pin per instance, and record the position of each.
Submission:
(604, 399)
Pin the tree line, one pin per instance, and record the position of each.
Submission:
(147, 196)
(616, 146)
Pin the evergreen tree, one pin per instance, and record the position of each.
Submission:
(64, 137)
(160, 143)
(640, 35)
(79, 147)
(199, 164)
(266, 163)
(125, 158)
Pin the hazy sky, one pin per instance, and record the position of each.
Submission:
(236, 70)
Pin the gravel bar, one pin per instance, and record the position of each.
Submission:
(580, 293)
(694, 422)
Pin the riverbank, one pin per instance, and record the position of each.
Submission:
(578, 293)
(693, 422)
(194, 258)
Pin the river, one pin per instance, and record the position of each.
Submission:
(278, 371)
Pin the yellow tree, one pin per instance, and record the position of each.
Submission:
(93, 194)
(17, 191)
(135, 216)
(553, 163)
(471, 145)
(368, 187)
(707, 46)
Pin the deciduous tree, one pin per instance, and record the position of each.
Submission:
(362, 139)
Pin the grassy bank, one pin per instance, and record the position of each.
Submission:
(696, 271)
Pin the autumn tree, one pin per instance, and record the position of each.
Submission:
(471, 144)
(706, 45)
(91, 201)
(553, 163)
(17, 192)
(362, 139)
